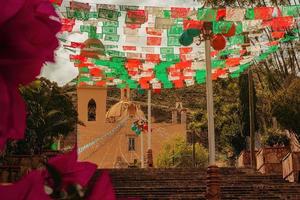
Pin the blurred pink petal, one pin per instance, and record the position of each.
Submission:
(9, 9)
(30, 187)
(103, 189)
(13, 115)
(4, 110)
(28, 39)
(71, 170)
(28, 31)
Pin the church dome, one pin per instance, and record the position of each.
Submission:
(123, 109)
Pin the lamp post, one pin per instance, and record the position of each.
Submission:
(149, 151)
(213, 180)
(186, 39)
(207, 32)
(149, 119)
(251, 116)
(142, 150)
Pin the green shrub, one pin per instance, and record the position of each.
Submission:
(286, 107)
(178, 153)
(275, 137)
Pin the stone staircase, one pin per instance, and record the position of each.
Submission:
(186, 184)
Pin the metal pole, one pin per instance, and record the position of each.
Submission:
(251, 116)
(194, 153)
(149, 119)
(142, 150)
(210, 103)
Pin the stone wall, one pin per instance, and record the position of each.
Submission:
(12, 168)
(291, 167)
(268, 160)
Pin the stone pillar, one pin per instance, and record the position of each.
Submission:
(128, 93)
(174, 116)
(213, 189)
(183, 116)
(4, 176)
(274, 123)
(149, 158)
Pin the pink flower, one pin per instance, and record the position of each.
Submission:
(72, 171)
(103, 189)
(12, 109)
(28, 38)
(30, 187)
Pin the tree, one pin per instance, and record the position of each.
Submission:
(228, 124)
(275, 138)
(286, 107)
(50, 114)
(229, 138)
(177, 153)
(244, 105)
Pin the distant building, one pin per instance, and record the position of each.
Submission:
(106, 137)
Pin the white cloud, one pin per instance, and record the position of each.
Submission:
(62, 71)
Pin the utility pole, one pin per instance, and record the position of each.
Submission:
(149, 120)
(149, 151)
(193, 153)
(213, 189)
(251, 116)
(142, 150)
(209, 95)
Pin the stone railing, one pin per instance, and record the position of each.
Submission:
(291, 167)
(244, 159)
(268, 159)
(15, 166)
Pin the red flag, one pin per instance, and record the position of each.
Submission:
(136, 17)
(231, 62)
(100, 83)
(78, 57)
(83, 64)
(77, 45)
(154, 41)
(277, 35)
(57, 2)
(153, 31)
(179, 12)
(183, 65)
(193, 24)
(67, 24)
(129, 48)
(133, 63)
(272, 43)
(185, 50)
(282, 23)
(243, 51)
(95, 72)
(221, 13)
(154, 58)
(214, 53)
(133, 26)
(263, 13)
(178, 83)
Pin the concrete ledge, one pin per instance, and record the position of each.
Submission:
(268, 159)
(291, 167)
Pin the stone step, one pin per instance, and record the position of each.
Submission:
(191, 184)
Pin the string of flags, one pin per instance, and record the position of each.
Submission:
(141, 45)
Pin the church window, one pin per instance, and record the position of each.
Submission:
(92, 110)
